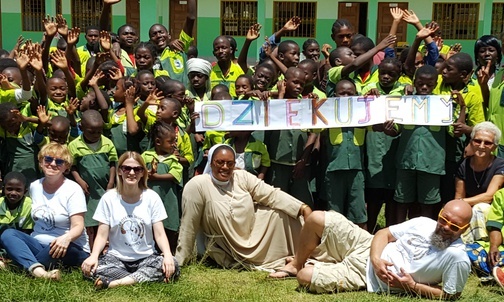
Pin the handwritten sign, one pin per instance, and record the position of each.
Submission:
(358, 111)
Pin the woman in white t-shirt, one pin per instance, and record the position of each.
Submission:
(58, 207)
(131, 218)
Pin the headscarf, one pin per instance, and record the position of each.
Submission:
(208, 168)
(199, 65)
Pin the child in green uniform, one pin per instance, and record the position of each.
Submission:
(342, 166)
(290, 150)
(125, 126)
(145, 53)
(94, 164)
(225, 71)
(381, 148)
(58, 129)
(355, 63)
(18, 149)
(420, 160)
(15, 207)
(454, 75)
(251, 154)
(165, 175)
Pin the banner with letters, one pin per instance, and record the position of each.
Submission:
(358, 111)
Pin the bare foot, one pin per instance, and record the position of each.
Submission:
(288, 271)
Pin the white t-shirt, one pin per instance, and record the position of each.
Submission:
(427, 265)
(51, 212)
(131, 237)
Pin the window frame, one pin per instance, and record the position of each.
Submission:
(297, 9)
(454, 21)
(241, 23)
(32, 21)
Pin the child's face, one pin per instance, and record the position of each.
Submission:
(424, 84)
(58, 133)
(295, 84)
(179, 93)
(290, 58)
(419, 60)
(128, 36)
(167, 143)
(358, 50)
(11, 125)
(198, 79)
(147, 83)
(312, 52)
(343, 37)
(14, 191)
(166, 112)
(13, 75)
(159, 36)
(451, 73)
(262, 78)
(91, 132)
(57, 90)
(310, 75)
(242, 86)
(222, 49)
(388, 74)
(346, 56)
(345, 89)
(119, 91)
(88, 101)
(143, 59)
(486, 54)
(92, 36)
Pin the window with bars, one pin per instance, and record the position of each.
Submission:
(86, 13)
(458, 21)
(497, 19)
(307, 11)
(237, 17)
(32, 14)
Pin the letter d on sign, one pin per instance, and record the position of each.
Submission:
(213, 115)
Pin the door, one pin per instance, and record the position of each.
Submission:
(385, 20)
(356, 13)
(133, 14)
(178, 15)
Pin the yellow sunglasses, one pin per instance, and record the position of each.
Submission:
(452, 225)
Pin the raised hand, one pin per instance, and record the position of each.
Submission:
(50, 26)
(177, 45)
(105, 40)
(292, 24)
(22, 60)
(129, 96)
(73, 36)
(72, 106)
(390, 39)
(42, 115)
(397, 13)
(153, 97)
(484, 74)
(454, 49)
(96, 77)
(410, 17)
(59, 60)
(4, 83)
(253, 32)
(62, 25)
(429, 30)
(115, 73)
(111, 2)
(267, 47)
(36, 57)
(325, 50)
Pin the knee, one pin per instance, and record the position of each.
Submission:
(9, 233)
(304, 276)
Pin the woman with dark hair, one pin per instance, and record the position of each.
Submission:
(246, 222)
(487, 50)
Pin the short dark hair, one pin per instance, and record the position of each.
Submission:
(366, 43)
(285, 45)
(427, 70)
(340, 23)
(463, 62)
(309, 42)
(14, 175)
(485, 41)
(393, 61)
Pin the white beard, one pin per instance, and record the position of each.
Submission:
(438, 242)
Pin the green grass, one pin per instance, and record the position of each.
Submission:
(200, 283)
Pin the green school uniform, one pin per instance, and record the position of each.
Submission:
(381, 149)
(132, 72)
(19, 152)
(123, 141)
(19, 218)
(55, 109)
(256, 154)
(169, 191)
(175, 62)
(495, 111)
(183, 140)
(229, 79)
(94, 168)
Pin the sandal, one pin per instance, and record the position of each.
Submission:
(101, 283)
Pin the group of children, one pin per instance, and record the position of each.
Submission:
(114, 95)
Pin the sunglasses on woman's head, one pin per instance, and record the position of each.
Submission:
(49, 160)
(127, 169)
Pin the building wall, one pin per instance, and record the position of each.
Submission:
(157, 11)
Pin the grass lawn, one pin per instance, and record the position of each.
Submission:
(200, 283)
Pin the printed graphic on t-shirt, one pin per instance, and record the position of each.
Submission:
(177, 63)
(46, 215)
(133, 228)
(416, 248)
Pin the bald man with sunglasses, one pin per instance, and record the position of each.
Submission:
(421, 256)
